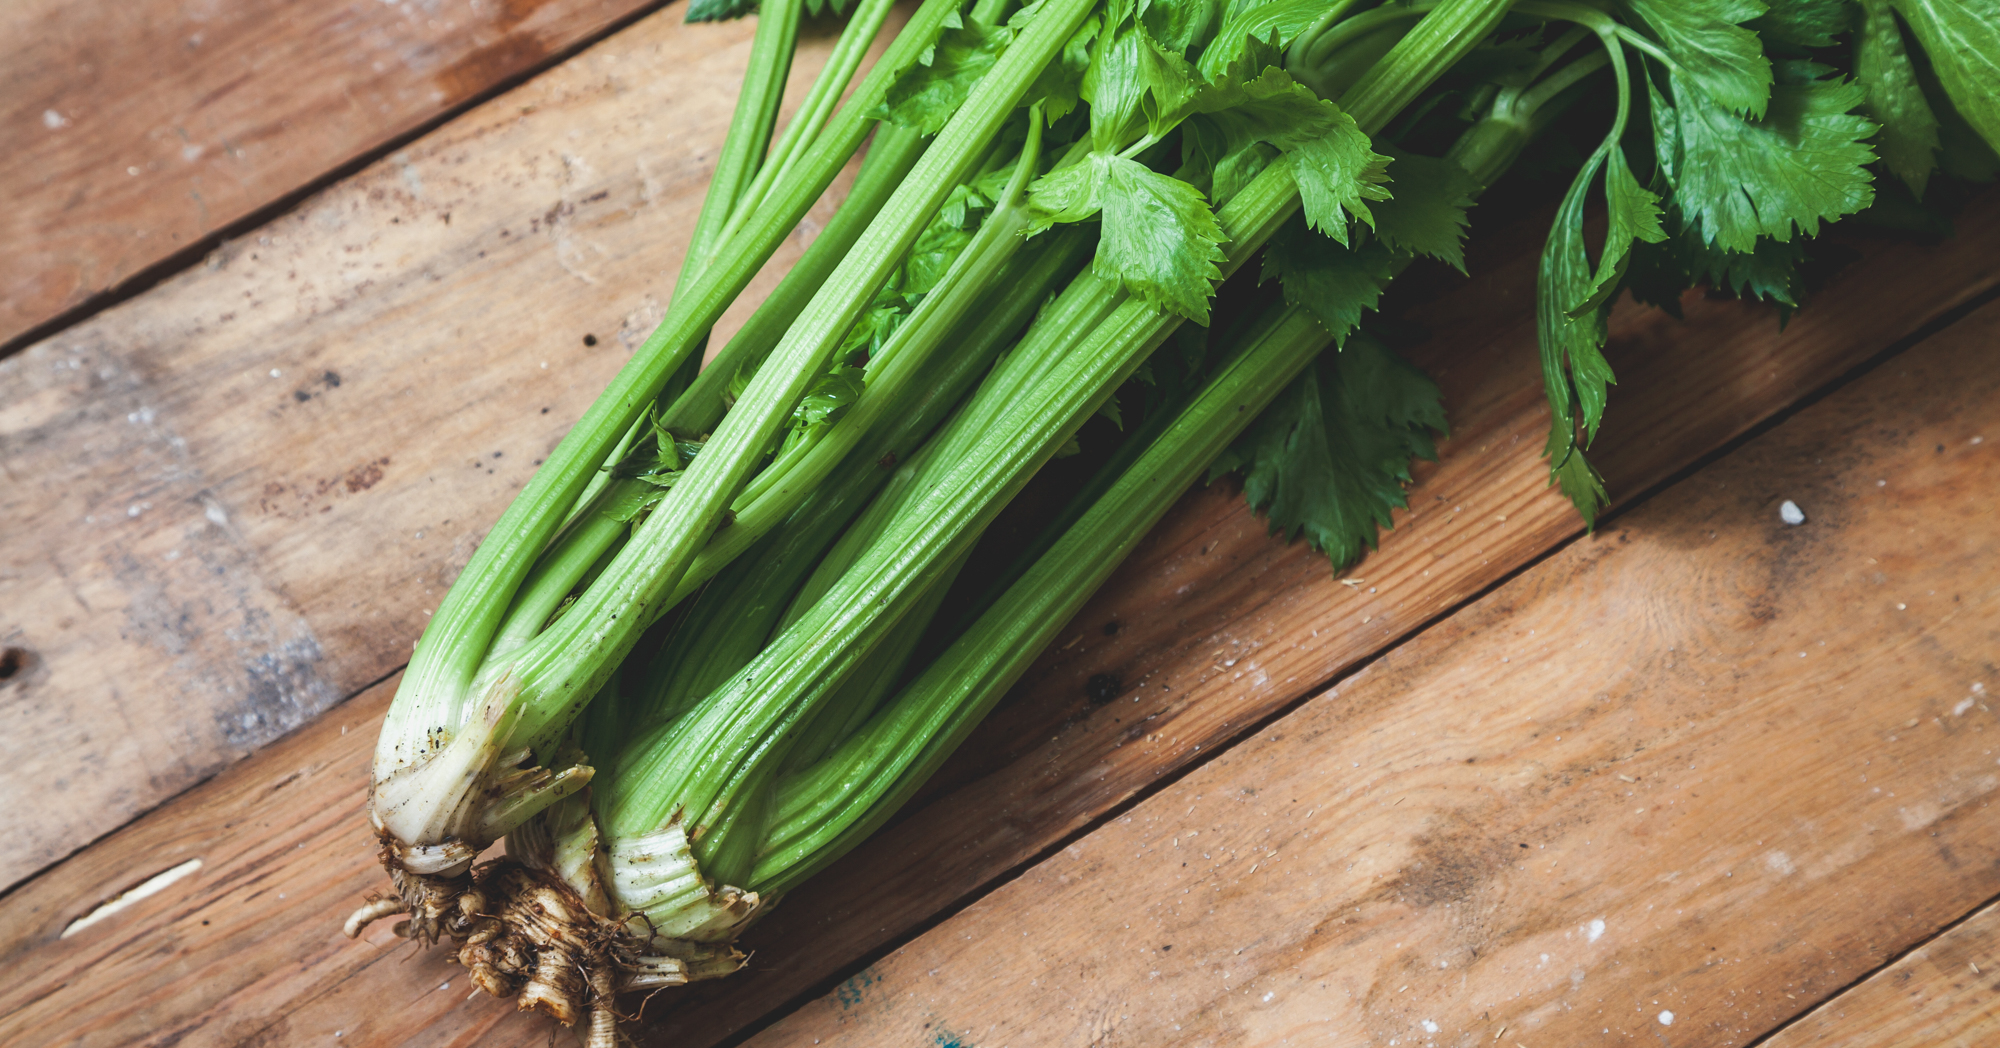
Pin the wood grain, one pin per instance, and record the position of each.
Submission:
(286, 821)
(1671, 786)
(1212, 626)
(136, 130)
(1940, 995)
(231, 501)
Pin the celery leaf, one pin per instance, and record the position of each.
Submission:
(1159, 239)
(1962, 40)
(1634, 216)
(1059, 85)
(1226, 151)
(1571, 301)
(1909, 138)
(1769, 272)
(1718, 55)
(718, 10)
(1069, 193)
(1336, 169)
(1338, 173)
(1579, 482)
(1803, 163)
(1425, 212)
(1249, 23)
(1127, 70)
(926, 94)
(1335, 284)
(1330, 457)
(1800, 25)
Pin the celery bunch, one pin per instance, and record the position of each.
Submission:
(709, 605)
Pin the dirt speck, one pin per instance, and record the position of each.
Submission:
(364, 476)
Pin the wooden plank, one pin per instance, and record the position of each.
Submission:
(231, 501)
(228, 980)
(1218, 626)
(1671, 786)
(137, 130)
(1940, 994)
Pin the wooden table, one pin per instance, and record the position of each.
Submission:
(298, 295)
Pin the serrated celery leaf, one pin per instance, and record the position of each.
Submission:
(937, 247)
(1769, 272)
(870, 333)
(1908, 140)
(1334, 283)
(1587, 371)
(1800, 25)
(1712, 50)
(1962, 40)
(1425, 212)
(1581, 484)
(1227, 119)
(829, 398)
(1070, 193)
(1634, 215)
(1803, 163)
(1338, 173)
(1331, 159)
(1575, 374)
(925, 95)
(1158, 238)
(1330, 457)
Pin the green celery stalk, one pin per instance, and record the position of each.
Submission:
(455, 718)
(823, 811)
(562, 667)
(698, 768)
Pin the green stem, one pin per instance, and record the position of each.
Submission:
(805, 125)
(749, 132)
(964, 283)
(1431, 47)
(824, 810)
(436, 692)
(567, 663)
(894, 152)
(733, 617)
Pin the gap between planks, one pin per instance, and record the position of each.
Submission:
(1937, 992)
(233, 499)
(1643, 824)
(1608, 521)
(166, 132)
(1209, 588)
(319, 851)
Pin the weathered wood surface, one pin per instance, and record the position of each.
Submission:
(1940, 995)
(136, 130)
(231, 501)
(285, 854)
(1219, 626)
(1672, 786)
